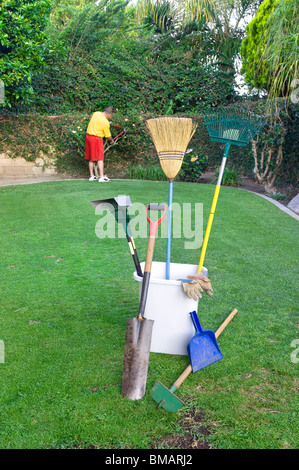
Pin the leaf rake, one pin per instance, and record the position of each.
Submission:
(230, 126)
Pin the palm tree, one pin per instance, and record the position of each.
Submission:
(224, 20)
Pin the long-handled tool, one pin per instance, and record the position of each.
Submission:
(236, 126)
(118, 207)
(231, 126)
(203, 348)
(166, 397)
(170, 136)
(139, 329)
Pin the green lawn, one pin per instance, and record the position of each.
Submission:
(65, 297)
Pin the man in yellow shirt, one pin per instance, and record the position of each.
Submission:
(98, 128)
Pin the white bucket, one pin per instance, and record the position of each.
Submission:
(169, 307)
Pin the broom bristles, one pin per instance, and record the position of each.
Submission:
(171, 137)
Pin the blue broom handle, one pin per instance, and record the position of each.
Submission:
(170, 192)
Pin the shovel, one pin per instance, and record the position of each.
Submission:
(139, 329)
(119, 205)
(166, 397)
(203, 348)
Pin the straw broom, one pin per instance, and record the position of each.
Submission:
(171, 136)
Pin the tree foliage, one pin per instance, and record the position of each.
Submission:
(281, 52)
(22, 38)
(254, 68)
(63, 11)
(181, 57)
(110, 59)
(217, 27)
(270, 49)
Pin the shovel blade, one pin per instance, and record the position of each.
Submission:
(203, 350)
(136, 357)
(165, 398)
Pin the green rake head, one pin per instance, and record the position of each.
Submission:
(235, 125)
(166, 398)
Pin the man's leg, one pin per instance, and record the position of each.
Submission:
(90, 165)
(101, 168)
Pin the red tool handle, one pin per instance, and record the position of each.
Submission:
(118, 135)
(155, 223)
(149, 254)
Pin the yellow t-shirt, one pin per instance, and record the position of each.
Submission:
(99, 125)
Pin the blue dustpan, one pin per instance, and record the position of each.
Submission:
(203, 348)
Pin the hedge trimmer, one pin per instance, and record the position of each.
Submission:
(114, 130)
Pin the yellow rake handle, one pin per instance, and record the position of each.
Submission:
(208, 230)
(213, 208)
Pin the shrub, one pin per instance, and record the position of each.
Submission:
(193, 166)
(154, 173)
(231, 177)
(278, 196)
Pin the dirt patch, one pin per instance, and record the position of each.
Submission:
(247, 183)
(192, 434)
(250, 185)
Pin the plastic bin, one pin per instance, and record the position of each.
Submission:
(169, 307)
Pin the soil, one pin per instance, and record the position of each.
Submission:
(250, 185)
(247, 183)
(192, 434)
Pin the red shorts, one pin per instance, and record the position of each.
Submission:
(94, 148)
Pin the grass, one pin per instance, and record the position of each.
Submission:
(65, 297)
(154, 173)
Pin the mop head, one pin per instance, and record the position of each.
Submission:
(171, 136)
(194, 288)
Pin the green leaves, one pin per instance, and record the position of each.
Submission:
(22, 25)
(270, 49)
(193, 166)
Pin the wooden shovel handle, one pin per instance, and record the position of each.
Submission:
(149, 254)
(146, 276)
(188, 370)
